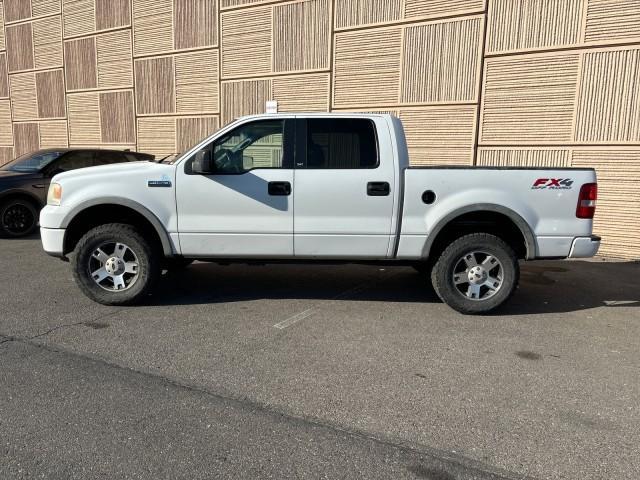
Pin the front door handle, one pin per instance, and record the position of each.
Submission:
(280, 188)
(38, 185)
(378, 189)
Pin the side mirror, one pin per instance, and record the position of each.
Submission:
(202, 163)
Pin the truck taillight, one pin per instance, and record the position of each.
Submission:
(587, 200)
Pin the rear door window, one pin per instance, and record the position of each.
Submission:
(341, 143)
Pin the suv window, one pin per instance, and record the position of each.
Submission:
(139, 157)
(73, 160)
(341, 143)
(257, 144)
(32, 162)
(105, 158)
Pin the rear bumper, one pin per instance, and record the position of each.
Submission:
(53, 241)
(585, 247)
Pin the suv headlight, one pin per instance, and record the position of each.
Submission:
(55, 194)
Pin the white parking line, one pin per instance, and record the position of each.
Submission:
(347, 293)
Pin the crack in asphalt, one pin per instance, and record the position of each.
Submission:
(15, 338)
(242, 402)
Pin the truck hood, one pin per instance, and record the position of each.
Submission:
(150, 169)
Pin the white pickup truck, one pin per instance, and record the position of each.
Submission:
(316, 187)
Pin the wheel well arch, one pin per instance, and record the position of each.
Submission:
(12, 194)
(99, 214)
(493, 219)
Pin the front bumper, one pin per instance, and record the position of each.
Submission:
(53, 241)
(585, 247)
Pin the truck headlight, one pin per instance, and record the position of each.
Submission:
(55, 194)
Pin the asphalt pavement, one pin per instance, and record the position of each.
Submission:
(292, 371)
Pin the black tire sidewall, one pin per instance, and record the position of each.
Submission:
(444, 268)
(115, 233)
(18, 201)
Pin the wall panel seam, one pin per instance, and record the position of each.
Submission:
(64, 73)
(274, 74)
(31, 19)
(166, 53)
(631, 145)
(97, 32)
(480, 88)
(566, 48)
(332, 76)
(260, 3)
(412, 21)
(577, 98)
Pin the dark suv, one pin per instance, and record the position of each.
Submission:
(24, 182)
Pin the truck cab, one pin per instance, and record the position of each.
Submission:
(335, 179)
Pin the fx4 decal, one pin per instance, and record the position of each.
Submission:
(552, 184)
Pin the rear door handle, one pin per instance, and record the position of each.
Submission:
(378, 189)
(280, 188)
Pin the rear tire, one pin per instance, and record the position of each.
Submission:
(476, 273)
(114, 264)
(18, 218)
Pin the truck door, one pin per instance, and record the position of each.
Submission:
(345, 182)
(244, 208)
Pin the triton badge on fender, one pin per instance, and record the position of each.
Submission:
(165, 181)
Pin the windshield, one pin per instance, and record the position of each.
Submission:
(32, 162)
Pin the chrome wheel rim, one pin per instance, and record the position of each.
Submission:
(17, 219)
(114, 267)
(478, 276)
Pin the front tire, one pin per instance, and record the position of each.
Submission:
(18, 218)
(114, 264)
(476, 274)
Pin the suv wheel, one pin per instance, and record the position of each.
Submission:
(18, 217)
(476, 274)
(115, 265)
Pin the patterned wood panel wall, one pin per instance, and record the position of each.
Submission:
(440, 135)
(31, 136)
(524, 157)
(608, 106)
(6, 132)
(2, 34)
(529, 99)
(492, 82)
(611, 20)
(19, 10)
(162, 26)
(358, 13)
(178, 83)
(4, 76)
(102, 118)
(367, 67)
(525, 25)
(170, 135)
(616, 218)
(380, 66)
